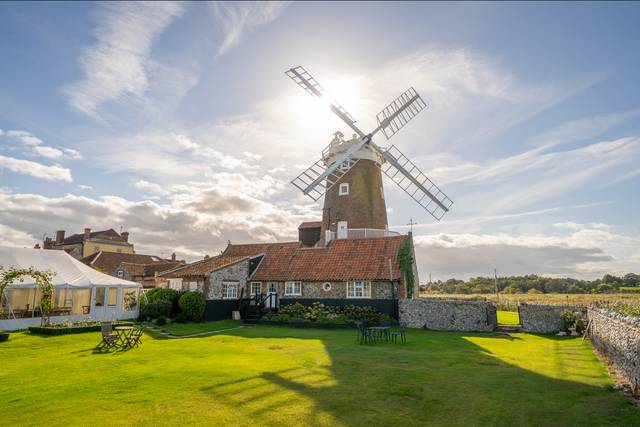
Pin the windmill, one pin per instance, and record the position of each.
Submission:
(349, 170)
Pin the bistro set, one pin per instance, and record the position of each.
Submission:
(119, 337)
(373, 334)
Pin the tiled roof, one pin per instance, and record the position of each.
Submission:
(205, 266)
(310, 224)
(342, 259)
(109, 261)
(110, 234)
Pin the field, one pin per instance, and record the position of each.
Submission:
(266, 375)
(509, 302)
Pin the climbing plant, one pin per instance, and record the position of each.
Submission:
(43, 281)
(405, 259)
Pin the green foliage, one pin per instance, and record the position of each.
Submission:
(161, 321)
(631, 279)
(4, 336)
(192, 305)
(155, 309)
(78, 327)
(155, 295)
(573, 320)
(628, 308)
(405, 259)
(43, 281)
(322, 313)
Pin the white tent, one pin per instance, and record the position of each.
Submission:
(80, 291)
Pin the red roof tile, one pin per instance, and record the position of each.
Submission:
(342, 259)
(109, 261)
(205, 266)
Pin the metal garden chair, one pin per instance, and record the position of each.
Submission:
(109, 339)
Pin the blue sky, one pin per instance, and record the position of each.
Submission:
(175, 121)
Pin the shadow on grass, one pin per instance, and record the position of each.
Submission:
(436, 378)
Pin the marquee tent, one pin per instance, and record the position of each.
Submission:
(81, 293)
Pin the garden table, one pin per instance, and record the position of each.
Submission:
(123, 334)
(380, 332)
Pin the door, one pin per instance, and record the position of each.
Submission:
(342, 229)
(272, 292)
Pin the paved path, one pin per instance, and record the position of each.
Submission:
(199, 334)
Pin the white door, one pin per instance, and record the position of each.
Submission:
(272, 292)
(342, 229)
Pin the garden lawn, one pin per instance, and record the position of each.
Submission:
(272, 375)
(182, 329)
(508, 317)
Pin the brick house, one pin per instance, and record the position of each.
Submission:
(135, 267)
(90, 242)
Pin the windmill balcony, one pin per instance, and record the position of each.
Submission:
(361, 233)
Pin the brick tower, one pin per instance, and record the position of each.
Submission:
(356, 200)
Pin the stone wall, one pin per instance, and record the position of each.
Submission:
(234, 273)
(448, 315)
(617, 337)
(338, 290)
(543, 319)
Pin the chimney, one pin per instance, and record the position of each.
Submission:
(173, 256)
(206, 256)
(37, 246)
(87, 233)
(59, 236)
(125, 236)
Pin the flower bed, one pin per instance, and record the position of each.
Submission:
(72, 328)
(319, 313)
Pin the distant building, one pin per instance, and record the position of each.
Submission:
(82, 245)
(138, 268)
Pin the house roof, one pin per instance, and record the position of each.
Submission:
(342, 259)
(109, 261)
(109, 234)
(310, 224)
(205, 266)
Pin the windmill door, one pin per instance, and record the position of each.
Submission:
(342, 229)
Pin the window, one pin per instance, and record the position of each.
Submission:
(113, 297)
(344, 165)
(129, 299)
(120, 274)
(344, 189)
(256, 288)
(99, 297)
(273, 287)
(229, 290)
(359, 289)
(293, 288)
(326, 286)
(193, 286)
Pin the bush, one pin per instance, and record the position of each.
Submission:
(161, 321)
(155, 309)
(4, 336)
(321, 313)
(192, 305)
(161, 294)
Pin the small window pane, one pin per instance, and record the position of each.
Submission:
(99, 299)
(113, 297)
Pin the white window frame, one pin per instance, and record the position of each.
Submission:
(326, 286)
(272, 287)
(344, 165)
(120, 274)
(293, 288)
(359, 289)
(259, 285)
(175, 283)
(230, 285)
(344, 189)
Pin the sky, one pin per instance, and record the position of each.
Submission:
(175, 122)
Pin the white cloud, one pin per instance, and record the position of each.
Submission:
(37, 170)
(85, 187)
(238, 18)
(48, 152)
(25, 137)
(73, 154)
(116, 65)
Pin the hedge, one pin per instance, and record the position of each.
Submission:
(52, 330)
(4, 336)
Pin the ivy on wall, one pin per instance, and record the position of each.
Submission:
(43, 281)
(405, 259)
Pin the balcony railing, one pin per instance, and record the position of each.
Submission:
(362, 233)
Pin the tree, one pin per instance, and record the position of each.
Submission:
(631, 279)
(43, 281)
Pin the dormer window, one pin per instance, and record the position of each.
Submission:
(344, 189)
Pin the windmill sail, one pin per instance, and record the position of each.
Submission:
(397, 114)
(308, 83)
(407, 176)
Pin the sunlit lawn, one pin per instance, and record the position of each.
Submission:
(281, 376)
(508, 317)
(182, 329)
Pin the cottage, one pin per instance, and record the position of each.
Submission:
(90, 242)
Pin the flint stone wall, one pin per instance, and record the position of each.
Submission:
(544, 319)
(617, 337)
(448, 315)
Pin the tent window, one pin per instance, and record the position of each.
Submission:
(129, 299)
(100, 294)
(113, 297)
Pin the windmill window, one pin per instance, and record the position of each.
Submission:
(344, 189)
(344, 165)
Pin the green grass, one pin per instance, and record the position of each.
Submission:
(508, 317)
(269, 375)
(181, 329)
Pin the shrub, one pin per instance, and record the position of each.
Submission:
(155, 309)
(192, 306)
(319, 312)
(161, 321)
(4, 336)
(161, 294)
